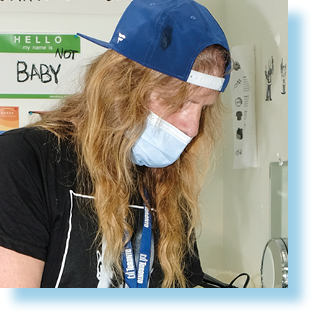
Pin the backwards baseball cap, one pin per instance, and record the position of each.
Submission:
(167, 36)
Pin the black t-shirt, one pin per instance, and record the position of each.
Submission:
(41, 216)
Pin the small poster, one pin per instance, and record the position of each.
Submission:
(9, 118)
(243, 102)
(38, 65)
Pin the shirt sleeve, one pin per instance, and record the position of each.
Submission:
(24, 219)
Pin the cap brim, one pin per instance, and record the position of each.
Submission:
(96, 41)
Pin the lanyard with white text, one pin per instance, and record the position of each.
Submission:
(138, 277)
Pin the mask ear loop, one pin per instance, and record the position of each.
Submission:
(163, 124)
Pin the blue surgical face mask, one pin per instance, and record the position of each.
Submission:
(160, 144)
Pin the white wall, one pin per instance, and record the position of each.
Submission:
(245, 221)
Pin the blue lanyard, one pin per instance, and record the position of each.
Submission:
(138, 277)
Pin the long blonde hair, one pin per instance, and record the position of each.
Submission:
(104, 120)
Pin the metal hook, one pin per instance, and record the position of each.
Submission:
(280, 161)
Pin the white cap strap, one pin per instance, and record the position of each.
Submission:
(205, 80)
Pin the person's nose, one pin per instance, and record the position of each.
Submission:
(190, 122)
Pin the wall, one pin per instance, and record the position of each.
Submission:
(246, 216)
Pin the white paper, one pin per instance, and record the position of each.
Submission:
(242, 84)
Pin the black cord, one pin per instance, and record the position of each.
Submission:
(241, 275)
(210, 282)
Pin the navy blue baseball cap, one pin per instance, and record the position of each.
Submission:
(167, 36)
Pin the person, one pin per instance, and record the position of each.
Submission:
(103, 190)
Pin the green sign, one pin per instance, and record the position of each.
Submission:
(32, 43)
